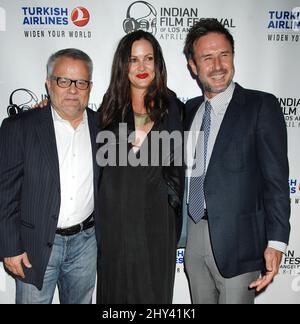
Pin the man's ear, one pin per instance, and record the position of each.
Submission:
(193, 66)
(48, 86)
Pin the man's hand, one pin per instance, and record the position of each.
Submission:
(273, 260)
(14, 264)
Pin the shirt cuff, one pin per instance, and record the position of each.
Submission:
(279, 246)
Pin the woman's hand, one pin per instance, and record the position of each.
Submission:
(41, 104)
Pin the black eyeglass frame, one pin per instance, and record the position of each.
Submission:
(70, 81)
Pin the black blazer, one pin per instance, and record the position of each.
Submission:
(30, 187)
(246, 185)
(174, 174)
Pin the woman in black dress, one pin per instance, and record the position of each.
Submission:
(140, 205)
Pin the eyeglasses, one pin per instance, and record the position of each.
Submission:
(66, 83)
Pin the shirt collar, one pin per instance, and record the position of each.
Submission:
(57, 118)
(221, 100)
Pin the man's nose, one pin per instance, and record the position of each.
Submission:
(73, 88)
(217, 63)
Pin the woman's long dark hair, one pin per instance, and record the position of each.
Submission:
(117, 98)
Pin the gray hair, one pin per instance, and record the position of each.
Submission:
(73, 53)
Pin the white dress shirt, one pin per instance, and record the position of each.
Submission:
(76, 170)
(219, 105)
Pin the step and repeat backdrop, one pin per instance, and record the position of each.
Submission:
(267, 35)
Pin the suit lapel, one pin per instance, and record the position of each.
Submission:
(191, 110)
(46, 135)
(190, 114)
(230, 120)
(93, 134)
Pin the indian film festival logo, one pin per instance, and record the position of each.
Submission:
(56, 22)
(284, 25)
(291, 266)
(140, 15)
(2, 19)
(291, 111)
(20, 100)
(165, 22)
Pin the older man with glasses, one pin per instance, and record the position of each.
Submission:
(47, 189)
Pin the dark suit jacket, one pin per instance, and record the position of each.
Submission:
(246, 186)
(30, 187)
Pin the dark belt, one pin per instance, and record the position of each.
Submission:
(205, 216)
(88, 223)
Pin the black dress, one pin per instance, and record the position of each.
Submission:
(137, 235)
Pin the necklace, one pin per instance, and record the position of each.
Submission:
(141, 119)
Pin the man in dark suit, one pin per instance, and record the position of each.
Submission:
(238, 202)
(47, 188)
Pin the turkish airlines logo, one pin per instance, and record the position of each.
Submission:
(80, 16)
